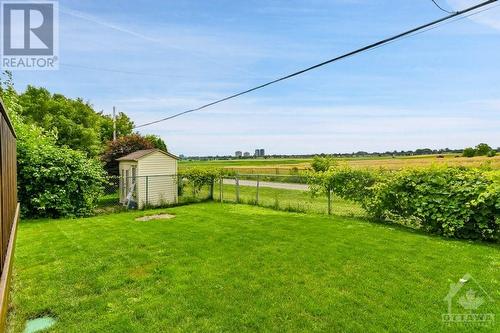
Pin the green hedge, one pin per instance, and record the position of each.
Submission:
(451, 201)
(52, 181)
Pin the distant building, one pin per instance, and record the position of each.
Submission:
(238, 154)
(246, 154)
(260, 153)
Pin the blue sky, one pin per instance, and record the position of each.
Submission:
(438, 89)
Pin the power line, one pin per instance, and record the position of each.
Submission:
(444, 10)
(375, 45)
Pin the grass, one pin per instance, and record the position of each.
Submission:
(223, 267)
(278, 199)
(291, 200)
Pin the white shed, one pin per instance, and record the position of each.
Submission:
(148, 177)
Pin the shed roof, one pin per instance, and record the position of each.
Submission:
(137, 155)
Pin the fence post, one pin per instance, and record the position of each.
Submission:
(212, 185)
(147, 190)
(257, 194)
(329, 202)
(237, 189)
(221, 191)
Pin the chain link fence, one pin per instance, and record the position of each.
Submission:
(280, 192)
(141, 192)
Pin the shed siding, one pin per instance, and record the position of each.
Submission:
(162, 179)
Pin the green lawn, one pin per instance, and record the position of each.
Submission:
(223, 267)
(291, 200)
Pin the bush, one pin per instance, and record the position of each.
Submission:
(56, 182)
(450, 201)
(52, 181)
(469, 152)
(492, 153)
(198, 177)
(321, 164)
(347, 183)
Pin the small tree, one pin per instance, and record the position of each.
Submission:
(321, 164)
(469, 152)
(482, 149)
(121, 147)
(156, 141)
(347, 183)
(124, 126)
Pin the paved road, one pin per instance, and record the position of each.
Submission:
(283, 186)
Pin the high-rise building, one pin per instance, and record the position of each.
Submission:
(238, 154)
(259, 153)
(246, 154)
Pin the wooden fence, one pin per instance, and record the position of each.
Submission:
(9, 208)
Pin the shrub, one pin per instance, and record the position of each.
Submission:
(347, 183)
(52, 181)
(321, 164)
(492, 153)
(55, 182)
(198, 177)
(450, 201)
(469, 152)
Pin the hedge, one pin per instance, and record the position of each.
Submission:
(450, 201)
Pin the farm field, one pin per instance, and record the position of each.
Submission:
(224, 267)
(286, 166)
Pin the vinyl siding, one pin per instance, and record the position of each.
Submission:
(161, 172)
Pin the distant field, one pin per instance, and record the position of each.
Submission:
(285, 166)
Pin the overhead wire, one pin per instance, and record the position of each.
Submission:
(459, 15)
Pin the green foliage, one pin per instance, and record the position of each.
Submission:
(454, 202)
(156, 141)
(347, 183)
(198, 177)
(52, 181)
(121, 147)
(469, 152)
(77, 125)
(124, 126)
(321, 164)
(482, 149)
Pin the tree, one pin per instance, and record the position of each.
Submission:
(321, 163)
(76, 123)
(52, 181)
(156, 141)
(124, 126)
(482, 149)
(121, 147)
(469, 152)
